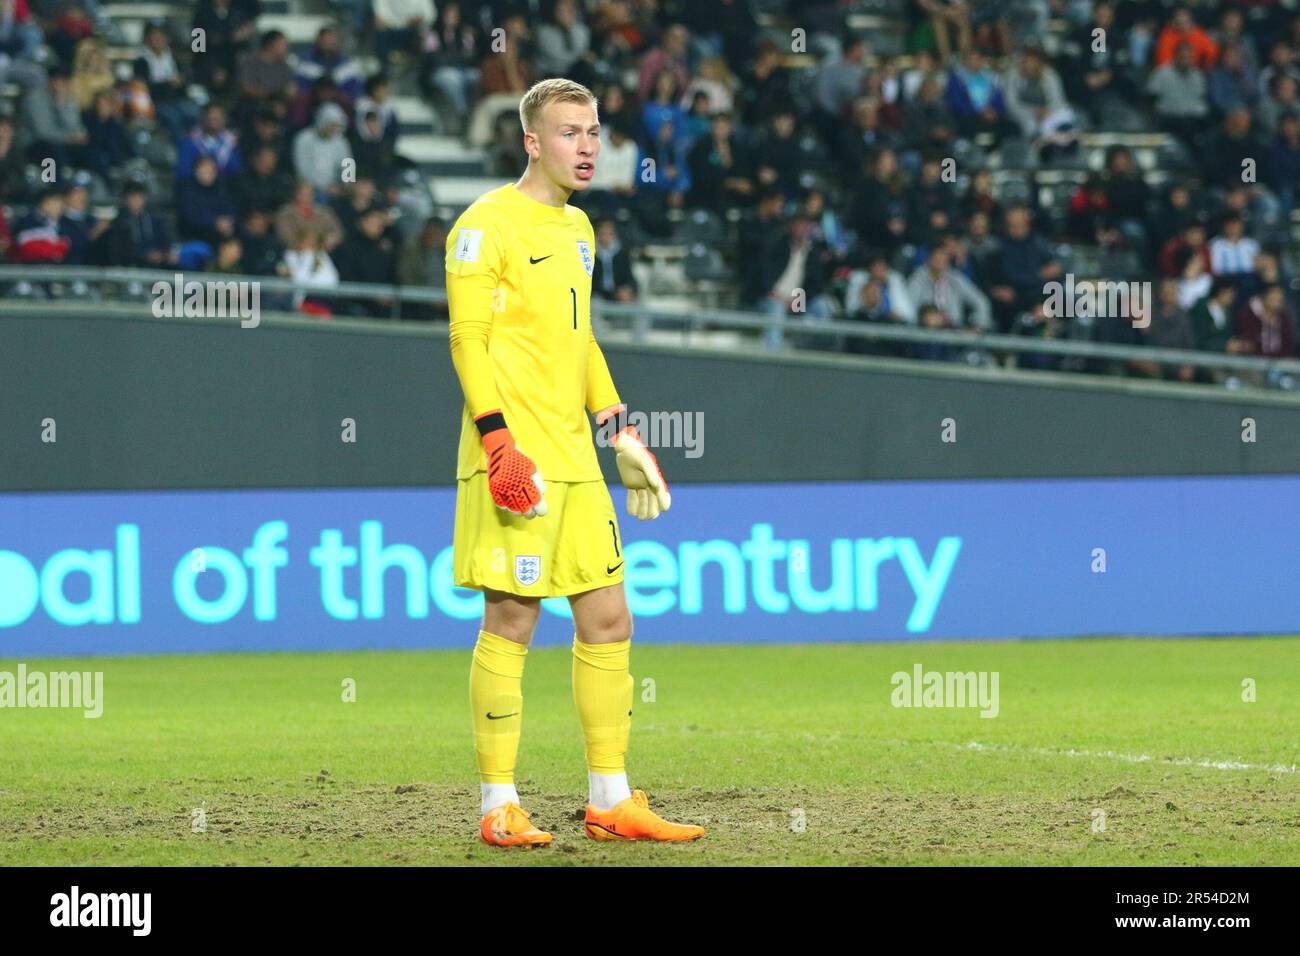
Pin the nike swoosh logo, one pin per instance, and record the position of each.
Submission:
(609, 570)
(492, 716)
(533, 262)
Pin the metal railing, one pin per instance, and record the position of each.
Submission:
(642, 322)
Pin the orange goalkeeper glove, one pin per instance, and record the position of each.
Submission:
(514, 481)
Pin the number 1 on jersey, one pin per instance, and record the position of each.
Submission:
(574, 293)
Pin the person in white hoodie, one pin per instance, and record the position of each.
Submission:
(319, 152)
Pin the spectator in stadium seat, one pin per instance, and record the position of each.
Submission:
(1100, 75)
(928, 123)
(1282, 99)
(20, 36)
(1128, 197)
(838, 81)
(91, 73)
(306, 263)
(1036, 102)
(778, 159)
(83, 229)
(38, 238)
(264, 184)
(611, 277)
(1281, 167)
(1212, 320)
(138, 238)
(370, 255)
(937, 284)
(423, 264)
(451, 62)
(1039, 323)
(378, 100)
(108, 145)
(1265, 326)
(893, 301)
(266, 79)
(326, 58)
(504, 77)
(373, 153)
(1225, 147)
(879, 205)
(399, 25)
(1281, 59)
(974, 99)
(767, 82)
(229, 257)
(66, 25)
(1233, 82)
(157, 68)
(669, 55)
(929, 194)
(930, 316)
(211, 139)
(1232, 32)
(720, 173)
(1232, 252)
(320, 151)
(204, 210)
(758, 226)
(1182, 30)
(862, 136)
(873, 300)
(562, 41)
(305, 212)
(1170, 327)
(1192, 237)
(262, 251)
(357, 199)
(51, 123)
(613, 186)
(715, 81)
(795, 264)
(1181, 95)
(229, 28)
(662, 107)
(1025, 261)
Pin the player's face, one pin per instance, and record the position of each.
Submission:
(567, 144)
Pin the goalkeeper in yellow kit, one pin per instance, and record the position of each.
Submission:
(534, 518)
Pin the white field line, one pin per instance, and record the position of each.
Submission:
(1130, 758)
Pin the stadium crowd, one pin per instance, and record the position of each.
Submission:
(937, 186)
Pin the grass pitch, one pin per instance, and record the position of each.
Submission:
(1103, 752)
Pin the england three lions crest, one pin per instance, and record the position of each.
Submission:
(584, 250)
(528, 568)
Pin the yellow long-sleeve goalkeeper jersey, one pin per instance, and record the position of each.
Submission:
(519, 289)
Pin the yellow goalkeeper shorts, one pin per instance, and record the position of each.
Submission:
(574, 547)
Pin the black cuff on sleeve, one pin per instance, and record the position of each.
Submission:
(490, 422)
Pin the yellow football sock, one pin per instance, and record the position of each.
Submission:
(496, 698)
(602, 689)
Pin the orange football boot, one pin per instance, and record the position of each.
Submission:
(509, 825)
(634, 820)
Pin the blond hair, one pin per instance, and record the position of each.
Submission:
(557, 90)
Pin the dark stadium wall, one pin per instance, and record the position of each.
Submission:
(140, 403)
